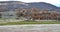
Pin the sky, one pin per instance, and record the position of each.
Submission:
(54, 2)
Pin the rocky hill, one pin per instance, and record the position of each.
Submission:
(12, 5)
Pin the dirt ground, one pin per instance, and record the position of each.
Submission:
(31, 28)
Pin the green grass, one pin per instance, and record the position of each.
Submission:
(30, 22)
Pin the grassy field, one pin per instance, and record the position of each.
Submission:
(29, 22)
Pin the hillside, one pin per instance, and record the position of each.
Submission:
(12, 5)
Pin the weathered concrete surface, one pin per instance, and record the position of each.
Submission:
(31, 28)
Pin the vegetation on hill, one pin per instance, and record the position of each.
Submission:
(35, 13)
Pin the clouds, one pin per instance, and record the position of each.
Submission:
(49, 1)
(54, 2)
